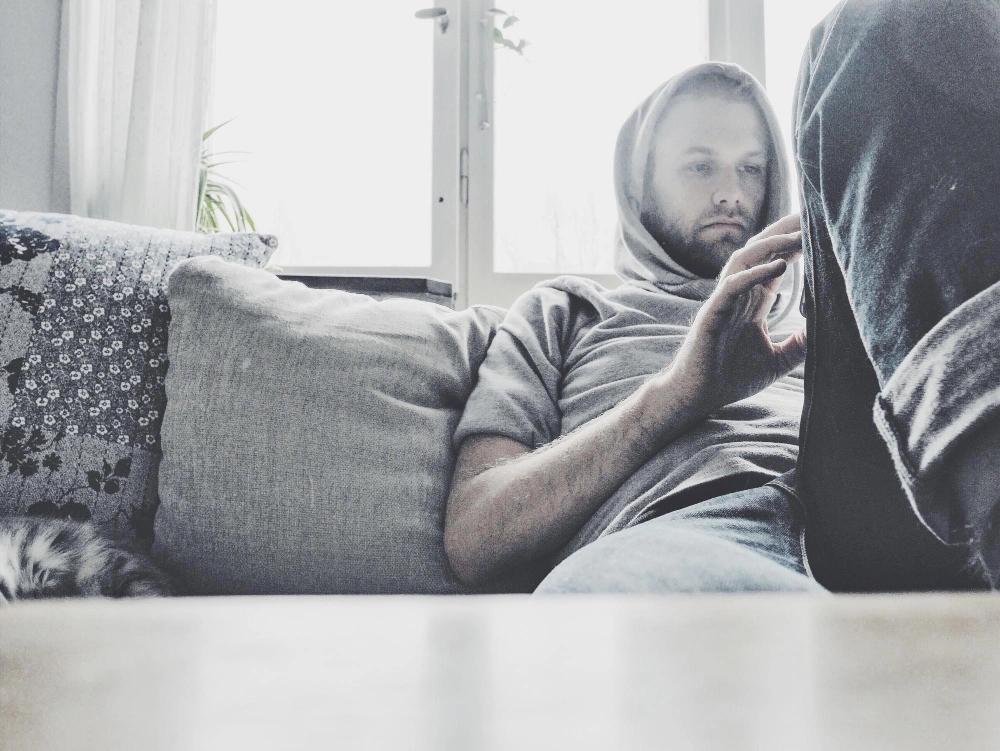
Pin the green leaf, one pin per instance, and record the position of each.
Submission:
(233, 199)
(233, 225)
(205, 136)
(510, 21)
(211, 216)
(222, 179)
(225, 214)
(213, 165)
(214, 193)
(227, 151)
(202, 179)
(238, 207)
(497, 36)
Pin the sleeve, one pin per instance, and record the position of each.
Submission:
(517, 391)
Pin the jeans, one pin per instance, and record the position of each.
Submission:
(745, 541)
(897, 118)
(896, 142)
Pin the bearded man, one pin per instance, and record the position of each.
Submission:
(658, 417)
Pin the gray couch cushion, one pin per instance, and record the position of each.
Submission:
(307, 436)
(83, 351)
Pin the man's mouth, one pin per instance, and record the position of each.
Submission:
(726, 223)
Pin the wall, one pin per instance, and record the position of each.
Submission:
(29, 57)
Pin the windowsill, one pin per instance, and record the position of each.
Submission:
(419, 287)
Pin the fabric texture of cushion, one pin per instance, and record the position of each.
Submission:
(83, 348)
(307, 437)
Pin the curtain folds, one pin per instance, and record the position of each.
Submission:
(137, 78)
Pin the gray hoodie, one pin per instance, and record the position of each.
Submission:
(569, 349)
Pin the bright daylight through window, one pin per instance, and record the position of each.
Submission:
(787, 24)
(336, 121)
(557, 113)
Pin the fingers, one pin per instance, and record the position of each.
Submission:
(787, 246)
(791, 352)
(783, 226)
(731, 288)
(765, 249)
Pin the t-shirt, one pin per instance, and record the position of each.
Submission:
(569, 350)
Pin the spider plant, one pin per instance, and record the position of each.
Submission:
(217, 201)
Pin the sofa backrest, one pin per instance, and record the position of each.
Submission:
(83, 350)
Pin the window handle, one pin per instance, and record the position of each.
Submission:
(439, 13)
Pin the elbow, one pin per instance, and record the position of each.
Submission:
(464, 551)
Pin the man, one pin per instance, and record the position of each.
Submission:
(590, 417)
(899, 468)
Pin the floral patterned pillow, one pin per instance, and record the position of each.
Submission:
(83, 330)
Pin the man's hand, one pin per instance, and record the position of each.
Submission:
(728, 354)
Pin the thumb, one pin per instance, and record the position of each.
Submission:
(792, 351)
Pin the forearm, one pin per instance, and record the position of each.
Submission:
(510, 513)
(532, 505)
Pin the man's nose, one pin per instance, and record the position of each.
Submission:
(728, 192)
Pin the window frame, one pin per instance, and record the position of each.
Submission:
(482, 284)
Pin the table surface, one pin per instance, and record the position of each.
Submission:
(704, 671)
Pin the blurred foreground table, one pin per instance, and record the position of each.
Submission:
(707, 671)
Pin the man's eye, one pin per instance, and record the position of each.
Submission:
(701, 167)
(753, 169)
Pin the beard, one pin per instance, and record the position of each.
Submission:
(690, 247)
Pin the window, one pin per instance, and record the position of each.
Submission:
(541, 187)
(365, 125)
(557, 112)
(334, 103)
(787, 24)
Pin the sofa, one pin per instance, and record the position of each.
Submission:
(256, 435)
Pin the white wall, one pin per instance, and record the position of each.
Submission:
(29, 58)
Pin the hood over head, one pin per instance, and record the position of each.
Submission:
(639, 259)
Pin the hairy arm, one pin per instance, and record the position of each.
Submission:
(510, 505)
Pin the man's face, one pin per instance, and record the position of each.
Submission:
(708, 182)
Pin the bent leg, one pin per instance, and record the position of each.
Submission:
(743, 542)
(897, 110)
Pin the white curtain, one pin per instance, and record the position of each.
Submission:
(137, 80)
